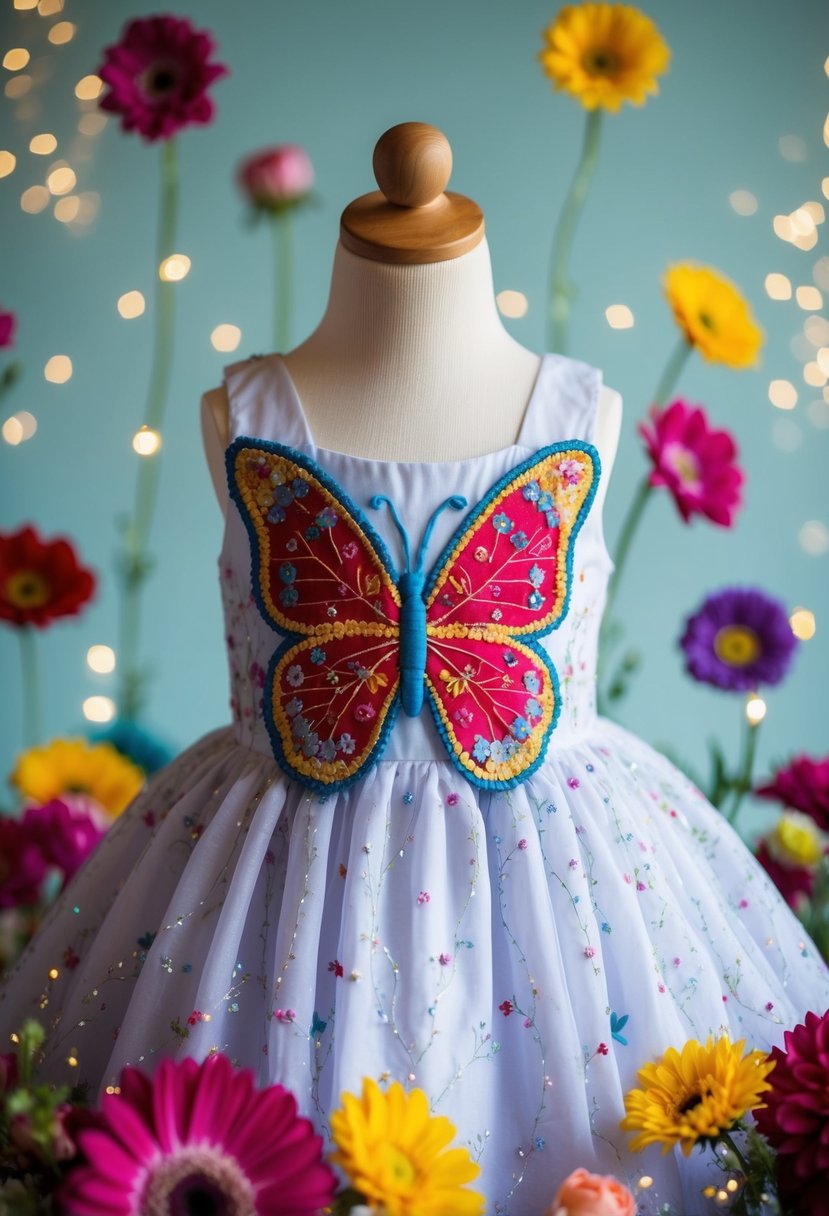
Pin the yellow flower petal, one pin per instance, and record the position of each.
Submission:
(713, 315)
(74, 766)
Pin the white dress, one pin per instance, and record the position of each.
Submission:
(483, 945)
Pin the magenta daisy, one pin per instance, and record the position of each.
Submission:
(198, 1138)
(158, 76)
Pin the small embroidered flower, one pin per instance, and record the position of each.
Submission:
(372, 679)
(640, 886)
(452, 799)
(535, 599)
(531, 682)
(481, 749)
(328, 750)
(309, 745)
(589, 768)
(444, 959)
(573, 782)
(502, 522)
(520, 540)
(408, 798)
(276, 515)
(284, 496)
(521, 728)
(70, 958)
(540, 1143)
(546, 502)
(299, 487)
(496, 614)
(536, 576)
(509, 658)
(497, 754)
(532, 708)
(527, 1023)
(195, 1016)
(573, 863)
(285, 1015)
(506, 1008)
(257, 675)
(317, 655)
(589, 951)
(291, 544)
(495, 591)
(336, 966)
(342, 870)
(769, 1006)
(481, 555)
(602, 1049)
(346, 744)
(312, 532)
(677, 962)
(269, 857)
(532, 491)
(350, 550)
(570, 471)
(294, 675)
(327, 517)
(331, 677)
(365, 712)
(287, 572)
(463, 716)
(423, 898)
(522, 844)
(288, 596)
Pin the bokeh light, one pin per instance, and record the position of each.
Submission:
(131, 304)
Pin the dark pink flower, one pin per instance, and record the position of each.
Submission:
(803, 786)
(276, 178)
(795, 883)
(795, 1119)
(65, 835)
(696, 463)
(506, 1008)
(158, 76)
(8, 322)
(22, 866)
(199, 1134)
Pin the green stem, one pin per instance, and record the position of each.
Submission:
(134, 560)
(670, 375)
(629, 527)
(742, 783)
(727, 1139)
(283, 271)
(560, 288)
(31, 686)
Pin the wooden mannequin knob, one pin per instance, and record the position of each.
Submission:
(412, 218)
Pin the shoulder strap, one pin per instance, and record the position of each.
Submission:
(563, 403)
(263, 403)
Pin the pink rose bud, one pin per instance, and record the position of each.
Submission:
(584, 1194)
(276, 176)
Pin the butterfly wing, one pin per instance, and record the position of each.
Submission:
(322, 575)
(502, 582)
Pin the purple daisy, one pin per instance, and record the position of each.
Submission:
(739, 639)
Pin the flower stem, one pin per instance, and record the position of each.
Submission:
(742, 781)
(31, 686)
(560, 289)
(670, 375)
(629, 527)
(283, 271)
(134, 560)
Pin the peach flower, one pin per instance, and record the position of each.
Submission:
(585, 1194)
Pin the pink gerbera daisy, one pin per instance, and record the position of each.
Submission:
(158, 76)
(198, 1138)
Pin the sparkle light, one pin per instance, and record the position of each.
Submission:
(23, 5)
(814, 537)
(778, 287)
(803, 222)
(7, 162)
(809, 297)
(743, 202)
(98, 709)
(512, 303)
(72, 1061)
(783, 394)
(822, 359)
(53, 973)
(792, 147)
(101, 659)
(58, 369)
(803, 623)
(48, 8)
(43, 145)
(12, 431)
(34, 199)
(18, 86)
(645, 1182)
(16, 59)
(88, 88)
(67, 209)
(815, 210)
(814, 375)
(131, 304)
(755, 709)
(146, 441)
(619, 316)
(61, 180)
(61, 33)
(226, 337)
(174, 268)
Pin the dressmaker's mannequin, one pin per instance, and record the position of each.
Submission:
(411, 361)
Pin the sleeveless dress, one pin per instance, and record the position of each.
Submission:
(517, 953)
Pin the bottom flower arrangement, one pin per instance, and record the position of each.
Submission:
(199, 1139)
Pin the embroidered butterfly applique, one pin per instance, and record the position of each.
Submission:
(364, 641)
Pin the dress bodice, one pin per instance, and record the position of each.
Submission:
(264, 404)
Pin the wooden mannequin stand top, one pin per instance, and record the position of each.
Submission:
(411, 361)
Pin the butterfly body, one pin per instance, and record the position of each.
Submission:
(362, 641)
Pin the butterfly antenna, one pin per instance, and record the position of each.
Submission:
(376, 502)
(457, 502)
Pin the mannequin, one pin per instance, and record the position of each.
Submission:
(411, 326)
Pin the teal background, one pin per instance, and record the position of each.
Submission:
(333, 77)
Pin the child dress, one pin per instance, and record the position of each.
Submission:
(418, 854)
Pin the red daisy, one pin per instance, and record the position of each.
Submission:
(40, 580)
(199, 1137)
(802, 785)
(697, 464)
(158, 76)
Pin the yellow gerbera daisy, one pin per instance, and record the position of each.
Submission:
(695, 1096)
(395, 1154)
(74, 766)
(713, 315)
(604, 54)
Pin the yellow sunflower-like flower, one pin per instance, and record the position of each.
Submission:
(713, 315)
(395, 1154)
(696, 1095)
(73, 766)
(604, 54)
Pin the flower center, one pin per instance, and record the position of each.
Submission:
(797, 842)
(600, 62)
(198, 1181)
(705, 320)
(691, 1101)
(737, 645)
(683, 462)
(160, 79)
(27, 589)
(399, 1166)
